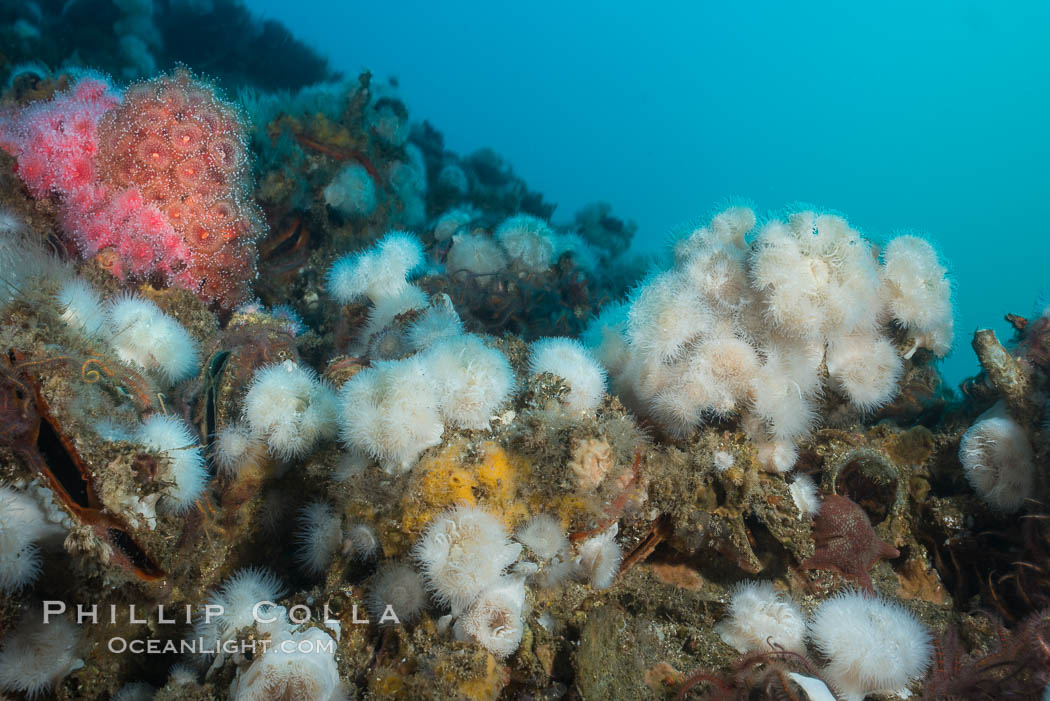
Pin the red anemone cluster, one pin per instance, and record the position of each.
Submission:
(154, 183)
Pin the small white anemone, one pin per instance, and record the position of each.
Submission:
(237, 449)
(361, 541)
(528, 241)
(352, 191)
(997, 460)
(391, 412)
(918, 293)
(82, 307)
(452, 222)
(598, 558)
(398, 586)
(544, 536)
(319, 538)
(722, 460)
(184, 473)
(389, 308)
(438, 322)
(865, 368)
(760, 618)
(23, 525)
(182, 675)
(237, 601)
(494, 619)
(475, 253)
(804, 494)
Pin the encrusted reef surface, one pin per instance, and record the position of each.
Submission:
(366, 423)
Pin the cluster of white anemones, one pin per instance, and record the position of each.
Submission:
(396, 409)
(747, 327)
(473, 568)
(296, 664)
(392, 411)
(322, 534)
(523, 242)
(142, 335)
(146, 338)
(28, 520)
(871, 644)
(380, 275)
(139, 332)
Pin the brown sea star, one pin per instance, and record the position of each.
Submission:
(846, 542)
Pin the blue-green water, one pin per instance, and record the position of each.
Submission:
(925, 116)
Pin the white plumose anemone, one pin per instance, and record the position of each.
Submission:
(377, 273)
(82, 307)
(361, 541)
(290, 408)
(237, 448)
(319, 538)
(865, 368)
(918, 293)
(494, 619)
(184, 471)
(37, 655)
(598, 558)
(760, 619)
(237, 599)
(452, 222)
(528, 241)
(572, 362)
(872, 645)
(473, 380)
(399, 586)
(439, 322)
(391, 411)
(997, 460)
(475, 253)
(804, 493)
(352, 191)
(148, 338)
(544, 536)
(462, 553)
(23, 524)
(747, 327)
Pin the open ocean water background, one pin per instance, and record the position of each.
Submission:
(932, 117)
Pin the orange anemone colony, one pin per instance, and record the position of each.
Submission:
(182, 149)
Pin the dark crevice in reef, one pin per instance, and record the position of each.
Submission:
(134, 554)
(62, 466)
